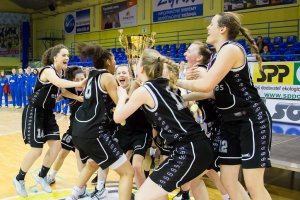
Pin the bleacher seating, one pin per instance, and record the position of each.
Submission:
(281, 49)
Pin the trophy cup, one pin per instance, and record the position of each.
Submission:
(134, 46)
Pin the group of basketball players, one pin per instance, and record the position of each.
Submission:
(107, 120)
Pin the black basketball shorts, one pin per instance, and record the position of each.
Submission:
(187, 161)
(38, 126)
(138, 142)
(247, 141)
(103, 150)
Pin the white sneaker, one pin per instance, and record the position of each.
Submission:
(20, 187)
(44, 184)
(71, 198)
(97, 194)
(50, 180)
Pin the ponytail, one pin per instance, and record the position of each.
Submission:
(254, 48)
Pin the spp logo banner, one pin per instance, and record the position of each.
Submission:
(69, 23)
(274, 73)
(284, 110)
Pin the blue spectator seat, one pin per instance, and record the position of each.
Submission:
(278, 40)
(267, 40)
(289, 56)
(291, 39)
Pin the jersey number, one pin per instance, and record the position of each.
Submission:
(88, 90)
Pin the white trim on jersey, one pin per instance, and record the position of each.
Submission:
(34, 127)
(168, 107)
(245, 54)
(95, 82)
(231, 95)
(143, 145)
(82, 159)
(253, 142)
(154, 98)
(47, 96)
(25, 123)
(194, 155)
(103, 151)
(99, 85)
(161, 130)
(230, 157)
(270, 129)
(67, 145)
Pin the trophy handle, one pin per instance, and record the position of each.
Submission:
(122, 38)
(152, 39)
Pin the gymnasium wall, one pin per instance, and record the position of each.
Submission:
(43, 24)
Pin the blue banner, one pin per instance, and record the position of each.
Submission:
(83, 21)
(164, 10)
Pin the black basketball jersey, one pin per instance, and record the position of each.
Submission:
(170, 113)
(136, 123)
(74, 104)
(236, 91)
(44, 93)
(93, 117)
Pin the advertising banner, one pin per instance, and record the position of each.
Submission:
(69, 23)
(164, 10)
(119, 15)
(10, 33)
(83, 21)
(77, 22)
(287, 111)
(230, 5)
(279, 80)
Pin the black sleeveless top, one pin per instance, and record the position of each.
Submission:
(171, 114)
(236, 91)
(44, 93)
(74, 104)
(94, 116)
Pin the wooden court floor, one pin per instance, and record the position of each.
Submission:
(13, 149)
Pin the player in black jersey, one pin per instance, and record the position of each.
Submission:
(76, 98)
(197, 56)
(135, 133)
(91, 127)
(192, 153)
(38, 121)
(246, 123)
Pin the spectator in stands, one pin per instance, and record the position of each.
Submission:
(260, 44)
(265, 55)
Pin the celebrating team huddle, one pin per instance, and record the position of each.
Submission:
(108, 121)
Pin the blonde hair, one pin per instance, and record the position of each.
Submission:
(232, 21)
(203, 51)
(153, 63)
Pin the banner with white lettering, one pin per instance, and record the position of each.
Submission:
(164, 10)
(287, 111)
(83, 21)
(277, 80)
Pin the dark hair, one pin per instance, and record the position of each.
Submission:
(48, 56)
(98, 54)
(72, 71)
(232, 21)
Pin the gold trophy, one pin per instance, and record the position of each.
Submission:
(134, 46)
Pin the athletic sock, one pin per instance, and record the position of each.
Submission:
(100, 184)
(44, 171)
(21, 175)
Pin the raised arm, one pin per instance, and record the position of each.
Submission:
(50, 75)
(109, 83)
(230, 56)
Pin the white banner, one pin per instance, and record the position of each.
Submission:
(279, 80)
(128, 17)
(281, 110)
